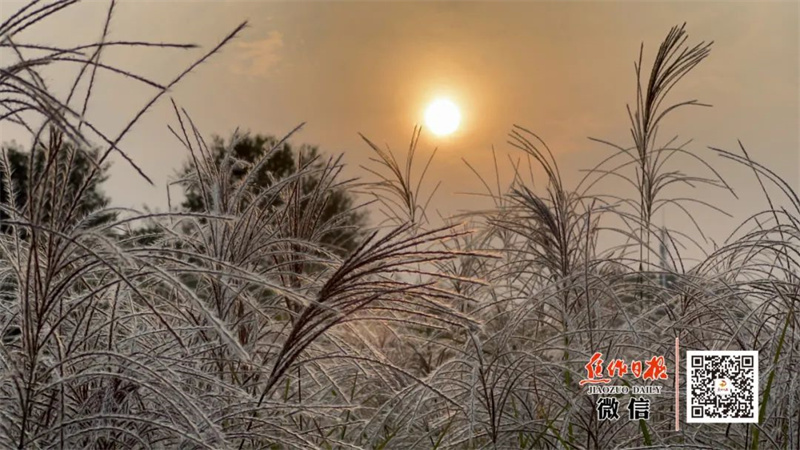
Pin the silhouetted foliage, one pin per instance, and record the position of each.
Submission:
(284, 161)
(74, 165)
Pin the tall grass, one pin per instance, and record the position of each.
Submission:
(236, 327)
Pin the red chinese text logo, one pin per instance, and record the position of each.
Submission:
(654, 369)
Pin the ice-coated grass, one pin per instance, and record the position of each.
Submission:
(235, 327)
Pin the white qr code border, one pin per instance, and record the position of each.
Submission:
(689, 398)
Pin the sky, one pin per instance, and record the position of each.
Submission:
(563, 70)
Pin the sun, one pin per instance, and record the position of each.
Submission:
(442, 117)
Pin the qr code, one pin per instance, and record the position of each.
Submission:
(722, 386)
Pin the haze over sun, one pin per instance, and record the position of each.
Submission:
(442, 117)
(563, 70)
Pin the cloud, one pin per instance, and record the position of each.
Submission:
(258, 58)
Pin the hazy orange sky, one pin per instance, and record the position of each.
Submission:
(563, 70)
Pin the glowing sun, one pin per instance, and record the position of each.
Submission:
(442, 117)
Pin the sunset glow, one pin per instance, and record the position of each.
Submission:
(442, 117)
(431, 224)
